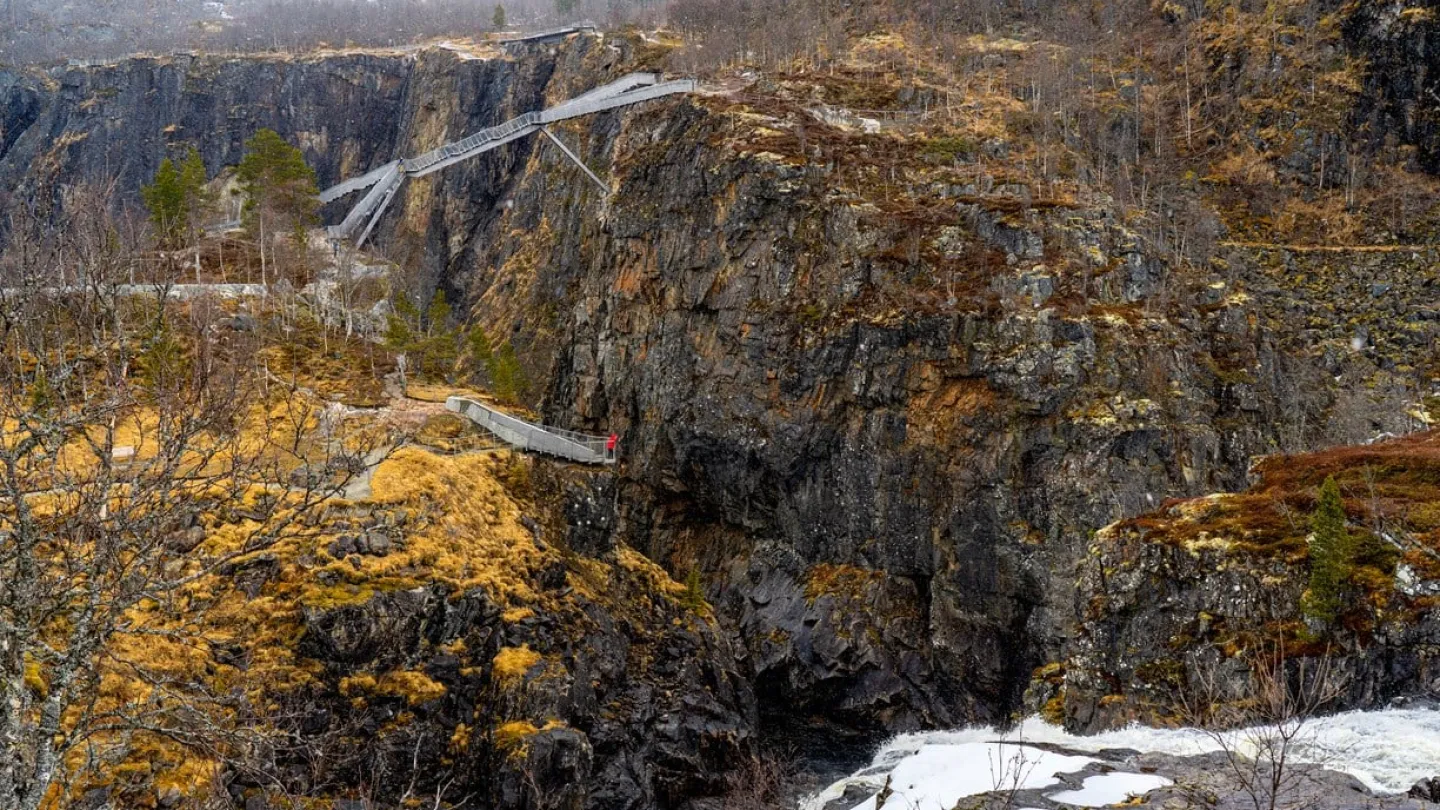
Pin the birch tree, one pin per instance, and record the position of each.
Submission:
(129, 424)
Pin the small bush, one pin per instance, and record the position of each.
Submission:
(694, 596)
(951, 147)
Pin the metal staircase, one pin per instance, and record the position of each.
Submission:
(385, 182)
(524, 435)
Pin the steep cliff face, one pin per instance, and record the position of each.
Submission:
(877, 386)
(1198, 589)
(888, 491)
(888, 488)
(117, 123)
(525, 674)
(440, 636)
(452, 637)
(1400, 40)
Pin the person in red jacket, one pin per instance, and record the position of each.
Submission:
(610, 445)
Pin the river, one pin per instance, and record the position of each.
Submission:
(1389, 750)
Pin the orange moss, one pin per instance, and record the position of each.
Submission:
(1395, 482)
(416, 687)
(512, 738)
(512, 663)
(844, 582)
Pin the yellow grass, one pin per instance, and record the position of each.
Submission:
(511, 664)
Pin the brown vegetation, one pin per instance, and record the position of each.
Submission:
(1387, 489)
(143, 460)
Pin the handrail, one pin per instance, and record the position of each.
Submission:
(630, 89)
(364, 181)
(525, 435)
(551, 34)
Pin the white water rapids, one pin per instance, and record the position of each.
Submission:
(1388, 750)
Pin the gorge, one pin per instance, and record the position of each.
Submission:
(949, 418)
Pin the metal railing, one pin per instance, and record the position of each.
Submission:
(176, 292)
(363, 181)
(536, 438)
(552, 33)
(385, 181)
(482, 141)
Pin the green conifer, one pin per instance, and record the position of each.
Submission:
(506, 375)
(161, 363)
(192, 186)
(694, 596)
(42, 395)
(1330, 556)
(437, 315)
(480, 351)
(399, 325)
(165, 198)
(273, 174)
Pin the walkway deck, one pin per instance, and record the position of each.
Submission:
(524, 435)
(551, 34)
(385, 182)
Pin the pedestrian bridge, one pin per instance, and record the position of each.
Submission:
(518, 433)
(385, 182)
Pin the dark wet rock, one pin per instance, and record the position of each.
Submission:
(186, 540)
(635, 703)
(376, 543)
(853, 796)
(1426, 789)
(94, 799)
(237, 323)
(556, 764)
(587, 509)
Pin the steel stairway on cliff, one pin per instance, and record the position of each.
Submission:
(385, 182)
(523, 435)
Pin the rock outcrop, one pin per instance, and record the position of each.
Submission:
(472, 656)
(1192, 598)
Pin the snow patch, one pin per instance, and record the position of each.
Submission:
(1111, 788)
(1388, 750)
(935, 777)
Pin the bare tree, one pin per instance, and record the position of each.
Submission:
(760, 782)
(1009, 772)
(131, 424)
(1260, 730)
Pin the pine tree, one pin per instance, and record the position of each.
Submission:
(440, 353)
(274, 171)
(176, 198)
(437, 315)
(192, 176)
(165, 197)
(278, 185)
(1330, 555)
(42, 395)
(564, 7)
(161, 362)
(192, 186)
(506, 375)
(480, 352)
(498, 18)
(399, 329)
(439, 348)
(694, 596)
(407, 310)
